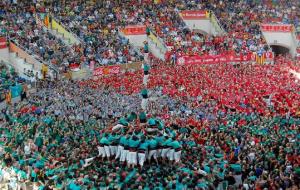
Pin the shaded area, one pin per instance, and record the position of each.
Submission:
(280, 50)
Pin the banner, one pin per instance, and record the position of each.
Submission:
(3, 42)
(134, 30)
(277, 28)
(214, 59)
(107, 70)
(194, 15)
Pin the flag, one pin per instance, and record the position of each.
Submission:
(46, 21)
(260, 58)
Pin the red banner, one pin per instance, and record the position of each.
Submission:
(134, 30)
(107, 70)
(194, 15)
(277, 27)
(214, 59)
(3, 43)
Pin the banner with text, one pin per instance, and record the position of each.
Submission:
(134, 30)
(277, 27)
(194, 15)
(3, 42)
(107, 70)
(214, 59)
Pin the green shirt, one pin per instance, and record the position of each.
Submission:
(123, 141)
(144, 92)
(133, 143)
(146, 67)
(142, 116)
(175, 144)
(123, 121)
(104, 141)
(144, 146)
(167, 142)
(39, 141)
(151, 122)
(152, 143)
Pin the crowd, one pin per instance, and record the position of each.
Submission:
(18, 23)
(216, 126)
(240, 19)
(91, 134)
(98, 25)
(99, 28)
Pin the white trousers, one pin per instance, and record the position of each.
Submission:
(123, 155)
(144, 103)
(177, 156)
(132, 157)
(113, 150)
(101, 151)
(119, 151)
(159, 152)
(107, 151)
(145, 79)
(142, 158)
(164, 152)
(152, 153)
(146, 56)
(170, 154)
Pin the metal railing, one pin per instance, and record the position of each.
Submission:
(35, 57)
(67, 28)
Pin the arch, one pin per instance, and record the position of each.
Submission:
(280, 49)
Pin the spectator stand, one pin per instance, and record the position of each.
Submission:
(33, 60)
(58, 29)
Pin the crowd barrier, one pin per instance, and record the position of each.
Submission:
(116, 69)
(24, 55)
(85, 73)
(36, 62)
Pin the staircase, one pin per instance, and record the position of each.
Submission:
(216, 26)
(58, 29)
(67, 36)
(157, 46)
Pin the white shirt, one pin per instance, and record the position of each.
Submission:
(27, 149)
